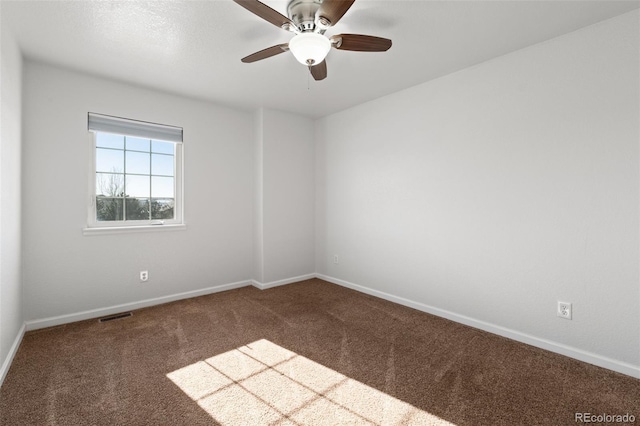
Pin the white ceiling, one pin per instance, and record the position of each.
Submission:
(193, 48)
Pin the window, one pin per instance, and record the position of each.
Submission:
(137, 172)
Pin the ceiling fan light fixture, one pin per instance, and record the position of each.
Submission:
(310, 48)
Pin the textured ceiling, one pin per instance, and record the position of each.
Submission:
(193, 48)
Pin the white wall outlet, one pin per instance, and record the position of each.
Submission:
(335, 259)
(144, 276)
(564, 310)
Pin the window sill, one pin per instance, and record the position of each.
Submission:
(109, 230)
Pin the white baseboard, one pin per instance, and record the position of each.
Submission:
(100, 312)
(264, 286)
(12, 353)
(559, 348)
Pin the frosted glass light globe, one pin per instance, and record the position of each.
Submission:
(310, 48)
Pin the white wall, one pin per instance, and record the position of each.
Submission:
(66, 272)
(496, 191)
(285, 197)
(258, 196)
(10, 196)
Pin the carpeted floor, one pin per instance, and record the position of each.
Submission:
(305, 353)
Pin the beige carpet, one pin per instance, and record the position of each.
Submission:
(305, 353)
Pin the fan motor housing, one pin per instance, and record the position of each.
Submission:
(303, 13)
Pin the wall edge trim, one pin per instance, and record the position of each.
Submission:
(6, 365)
(100, 312)
(559, 348)
(264, 286)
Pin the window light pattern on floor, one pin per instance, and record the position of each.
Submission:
(264, 384)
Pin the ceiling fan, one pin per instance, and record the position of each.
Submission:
(309, 19)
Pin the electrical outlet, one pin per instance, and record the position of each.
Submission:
(144, 276)
(564, 310)
(335, 259)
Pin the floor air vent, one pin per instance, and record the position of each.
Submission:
(115, 317)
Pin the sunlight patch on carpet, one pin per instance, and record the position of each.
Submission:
(265, 384)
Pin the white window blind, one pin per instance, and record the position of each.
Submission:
(141, 129)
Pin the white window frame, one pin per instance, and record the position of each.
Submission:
(98, 123)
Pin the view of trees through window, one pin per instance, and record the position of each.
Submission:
(134, 178)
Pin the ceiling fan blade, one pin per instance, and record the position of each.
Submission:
(266, 53)
(360, 43)
(265, 12)
(334, 10)
(319, 72)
